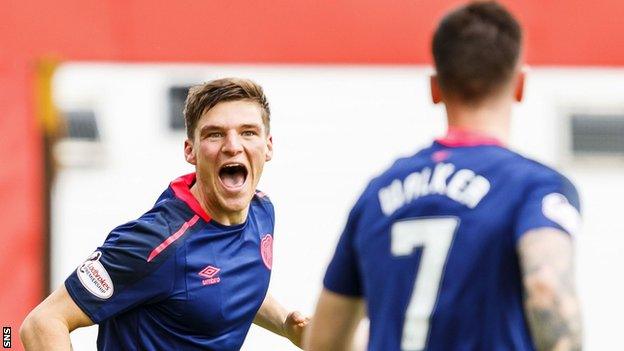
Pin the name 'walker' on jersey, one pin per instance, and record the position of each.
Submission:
(431, 245)
(175, 279)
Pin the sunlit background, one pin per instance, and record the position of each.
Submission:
(91, 130)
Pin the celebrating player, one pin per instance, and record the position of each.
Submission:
(192, 273)
(466, 245)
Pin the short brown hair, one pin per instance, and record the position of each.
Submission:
(476, 49)
(203, 97)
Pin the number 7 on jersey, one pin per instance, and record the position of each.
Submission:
(434, 235)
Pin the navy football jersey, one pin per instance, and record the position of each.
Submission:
(176, 280)
(431, 245)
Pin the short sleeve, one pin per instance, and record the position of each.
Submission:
(343, 274)
(551, 201)
(118, 277)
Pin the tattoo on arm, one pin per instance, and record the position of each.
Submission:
(551, 303)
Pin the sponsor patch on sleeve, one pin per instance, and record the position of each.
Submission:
(94, 277)
(558, 209)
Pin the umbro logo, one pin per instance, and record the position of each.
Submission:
(209, 273)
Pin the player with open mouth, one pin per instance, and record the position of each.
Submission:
(193, 272)
(233, 176)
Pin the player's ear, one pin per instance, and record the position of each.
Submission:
(519, 88)
(269, 154)
(436, 94)
(189, 153)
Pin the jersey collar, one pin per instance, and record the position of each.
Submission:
(458, 137)
(182, 189)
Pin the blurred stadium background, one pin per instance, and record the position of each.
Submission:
(91, 129)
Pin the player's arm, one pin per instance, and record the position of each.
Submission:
(551, 303)
(335, 321)
(273, 317)
(47, 327)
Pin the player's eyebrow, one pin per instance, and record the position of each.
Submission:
(209, 128)
(250, 126)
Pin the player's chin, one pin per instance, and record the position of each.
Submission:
(237, 203)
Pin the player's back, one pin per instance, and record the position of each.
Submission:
(433, 247)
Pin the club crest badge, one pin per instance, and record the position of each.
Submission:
(94, 277)
(266, 249)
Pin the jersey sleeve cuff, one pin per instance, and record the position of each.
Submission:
(74, 296)
(341, 290)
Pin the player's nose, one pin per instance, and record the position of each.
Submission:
(232, 144)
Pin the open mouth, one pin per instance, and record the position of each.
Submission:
(233, 175)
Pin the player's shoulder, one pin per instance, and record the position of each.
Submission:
(262, 201)
(532, 171)
(262, 197)
(528, 176)
(144, 235)
(262, 208)
(399, 168)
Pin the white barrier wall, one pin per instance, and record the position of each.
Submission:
(334, 128)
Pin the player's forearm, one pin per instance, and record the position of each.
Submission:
(271, 316)
(554, 328)
(551, 303)
(553, 313)
(47, 327)
(40, 333)
(335, 321)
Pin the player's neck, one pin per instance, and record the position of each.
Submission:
(491, 119)
(213, 209)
